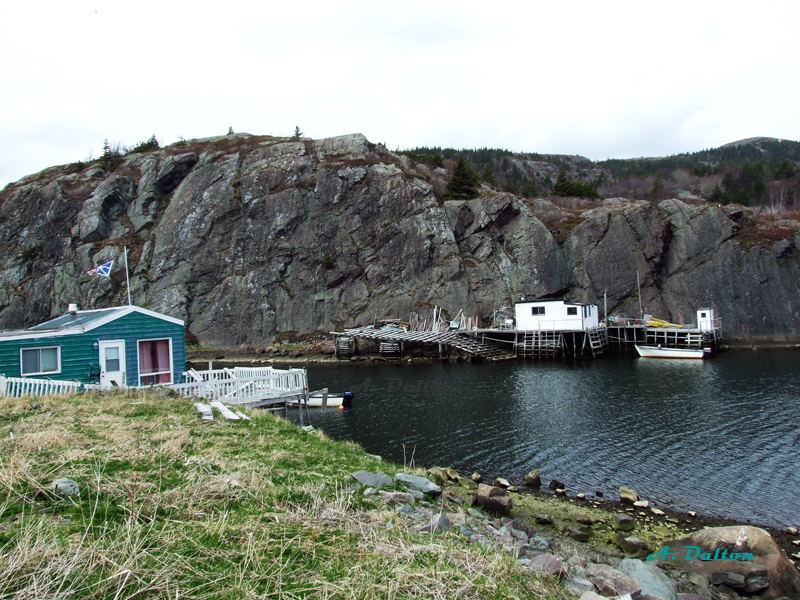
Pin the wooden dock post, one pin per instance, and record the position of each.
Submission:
(306, 394)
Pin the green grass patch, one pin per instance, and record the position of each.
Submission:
(171, 507)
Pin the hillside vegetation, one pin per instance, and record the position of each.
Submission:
(754, 172)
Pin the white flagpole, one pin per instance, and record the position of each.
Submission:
(127, 277)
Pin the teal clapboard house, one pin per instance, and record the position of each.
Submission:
(124, 346)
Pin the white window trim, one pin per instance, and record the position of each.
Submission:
(58, 361)
(171, 365)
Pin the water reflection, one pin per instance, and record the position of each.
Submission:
(714, 433)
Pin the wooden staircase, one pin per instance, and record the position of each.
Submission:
(598, 340)
(484, 349)
(461, 340)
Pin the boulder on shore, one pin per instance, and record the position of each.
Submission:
(426, 486)
(492, 499)
(627, 495)
(769, 572)
(532, 479)
(653, 580)
(610, 582)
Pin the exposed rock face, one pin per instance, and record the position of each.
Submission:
(250, 238)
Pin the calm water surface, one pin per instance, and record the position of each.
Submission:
(719, 436)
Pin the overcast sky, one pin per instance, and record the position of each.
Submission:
(600, 79)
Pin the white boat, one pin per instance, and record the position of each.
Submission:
(315, 401)
(661, 352)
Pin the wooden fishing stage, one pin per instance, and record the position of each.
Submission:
(486, 344)
(614, 336)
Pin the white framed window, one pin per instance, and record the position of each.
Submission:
(572, 311)
(40, 361)
(155, 361)
(537, 310)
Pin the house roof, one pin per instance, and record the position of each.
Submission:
(83, 321)
(556, 301)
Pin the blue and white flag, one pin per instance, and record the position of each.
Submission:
(104, 270)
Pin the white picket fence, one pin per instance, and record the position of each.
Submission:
(240, 385)
(16, 387)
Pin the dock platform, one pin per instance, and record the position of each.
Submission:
(619, 335)
(488, 344)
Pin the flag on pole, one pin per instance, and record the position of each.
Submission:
(104, 270)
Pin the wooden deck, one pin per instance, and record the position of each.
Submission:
(502, 344)
(468, 341)
(252, 387)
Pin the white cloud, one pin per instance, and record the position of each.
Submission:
(616, 79)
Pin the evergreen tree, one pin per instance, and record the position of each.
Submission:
(717, 195)
(658, 185)
(785, 170)
(464, 183)
(112, 156)
(562, 186)
(488, 175)
(573, 189)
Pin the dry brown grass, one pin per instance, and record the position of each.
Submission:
(172, 508)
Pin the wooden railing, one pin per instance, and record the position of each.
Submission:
(243, 385)
(234, 373)
(16, 387)
(234, 386)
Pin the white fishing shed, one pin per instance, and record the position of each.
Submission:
(705, 319)
(556, 315)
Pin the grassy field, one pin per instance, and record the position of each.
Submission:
(170, 507)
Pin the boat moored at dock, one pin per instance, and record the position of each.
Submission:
(662, 352)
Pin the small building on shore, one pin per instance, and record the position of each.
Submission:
(115, 347)
(556, 315)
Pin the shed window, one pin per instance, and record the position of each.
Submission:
(572, 310)
(537, 310)
(155, 362)
(38, 361)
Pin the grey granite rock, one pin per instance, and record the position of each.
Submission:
(65, 487)
(232, 237)
(375, 480)
(652, 579)
(421, 484)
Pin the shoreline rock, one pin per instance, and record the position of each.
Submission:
(584, 565)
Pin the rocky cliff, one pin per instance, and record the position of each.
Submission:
(250, 238)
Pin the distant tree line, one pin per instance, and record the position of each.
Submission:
(706, 162)
(747, 184)
(493, 164)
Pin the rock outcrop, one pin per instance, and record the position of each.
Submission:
(249, 239)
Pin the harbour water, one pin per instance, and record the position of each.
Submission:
(719, 436)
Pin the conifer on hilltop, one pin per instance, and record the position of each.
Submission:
(488, 175)
(464, 183)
